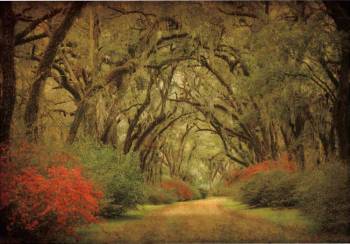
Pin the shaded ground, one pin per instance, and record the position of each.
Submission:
(209, 220)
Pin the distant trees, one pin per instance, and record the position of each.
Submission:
(130, 86)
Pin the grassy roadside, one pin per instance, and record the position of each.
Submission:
(287, 219)
(279, 216)
(104, 230)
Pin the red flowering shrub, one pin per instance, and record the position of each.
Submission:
(282, 164)
(39, 202)
(182, 190)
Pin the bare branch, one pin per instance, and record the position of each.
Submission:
(124, 12)
(34, 24)
(30, 38)
(329, 73)
(171, 37)
(238, 13)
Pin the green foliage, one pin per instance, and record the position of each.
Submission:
(118, 175)
(270, 189)
(158, 195)
(199, 192)
(196, 194)
(203, 192)
(281, 217)
(126, 182)
(323, 195)
(112, 210)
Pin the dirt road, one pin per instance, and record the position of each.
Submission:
(202, 221)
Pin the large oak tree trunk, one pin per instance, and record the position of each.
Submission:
(32, 108)
(7, 70)
(342, 108)
(340, 12)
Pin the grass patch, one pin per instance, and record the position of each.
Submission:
(235, 205)
(143, 210)
(279, 216)
(104, 230)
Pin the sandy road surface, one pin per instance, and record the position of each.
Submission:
(202, 221)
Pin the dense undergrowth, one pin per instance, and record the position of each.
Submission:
(319, 193)
(46, 191)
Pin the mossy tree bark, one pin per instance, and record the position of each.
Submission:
(32, 107)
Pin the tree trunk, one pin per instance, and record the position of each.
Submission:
(131, 135)
(274, 150)
(7, 70)
(340, 12)
(32, 109)
(157, 121)
(94, 33)
(342, 109)
(78, 117)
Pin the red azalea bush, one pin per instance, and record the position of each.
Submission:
(282, 164)
(39, 201)
(182, 190)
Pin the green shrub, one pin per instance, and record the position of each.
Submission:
(118, 175)
(196, 194)
(323, 195)
(112, 210)
(203, 192)
(126, 182)
(158, 195)
(270, 189)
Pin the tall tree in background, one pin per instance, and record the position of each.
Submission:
(340, 12)
(7, 70)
